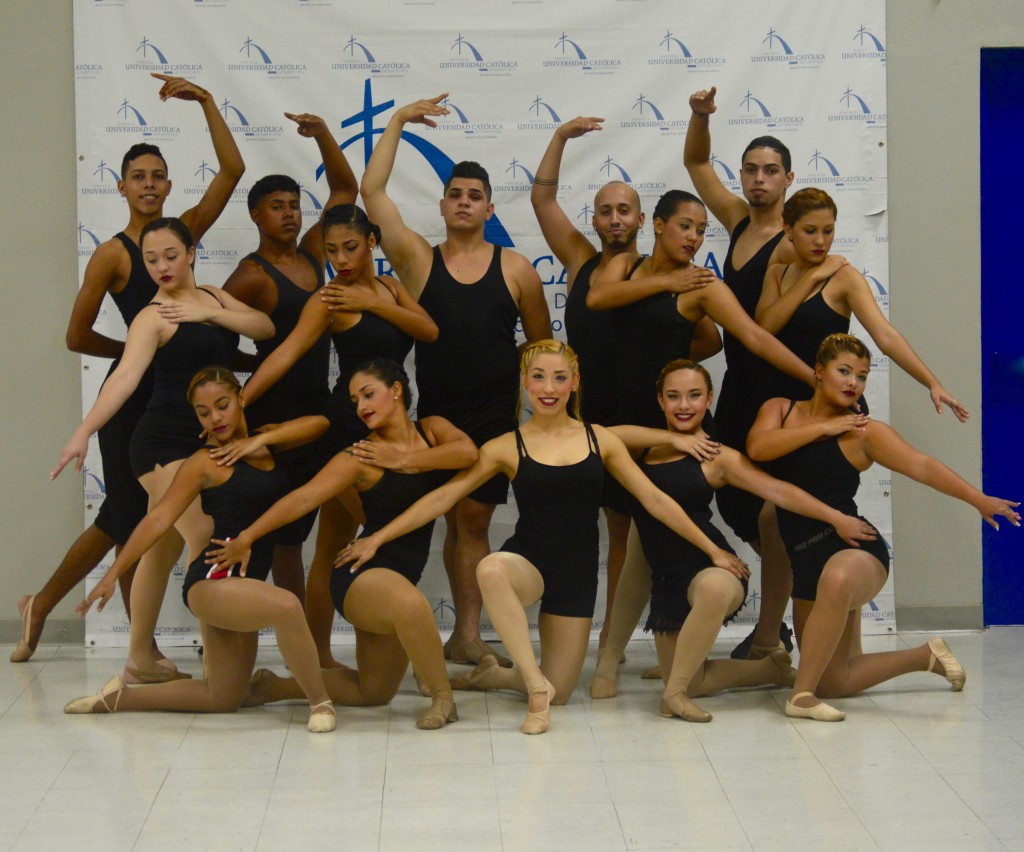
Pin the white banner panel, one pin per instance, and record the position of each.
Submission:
(514, 70)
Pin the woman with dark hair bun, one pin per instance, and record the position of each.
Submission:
(184, 328)
(236, 477)
(368, 316)
(398, 462)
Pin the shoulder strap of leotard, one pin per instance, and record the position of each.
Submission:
(634, 268)
(592, 438)
(203, 288)
(423, 434)
(792, 403)
(387, 287)
(521, 445)
(644, 453)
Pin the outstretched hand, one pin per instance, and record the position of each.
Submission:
(703, 102)
(103, 591)
(989, 507)
(76, 449)
(420, 112)
(941, 396)
(180, 88)
(309, 125)
(579, 126)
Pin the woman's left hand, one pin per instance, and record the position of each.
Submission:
(941, 396)
(76, 448)
(345, 297)
(102, 591)
(379, 454)
(178, 312)
(853, 530)
(357, 552)
(731, 563)
(989, 507)
(701, 447)
(228, 553)
(230, 453)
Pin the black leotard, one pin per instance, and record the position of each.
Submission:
(234, 505)
(742, 393)
(674, 561)
(169, 431)
(823, 471)
(590, 333)
(125, 501)
(470, 374)
(371, 337)
(557, 527)
(648, 334)
(393, 493)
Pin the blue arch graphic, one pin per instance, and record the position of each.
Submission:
(772, 37)
(849, 95)
(874, 282)
(819, 158)
(227, 105)
(729, 175)
(538, 103)
(564, 40)
(460, 42)
(146, 44)
(610, 164)
(103, 169)
(862, 32)
(205, 167)
(351, 46)
(515, 166)
(82, 230)
(642, 101)
(463, 119)
(749, 99)
(670, 39)
(125, 107)
(249, 45)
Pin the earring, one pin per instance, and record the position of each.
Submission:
(396, 399)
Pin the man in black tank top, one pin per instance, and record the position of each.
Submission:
(116, 268)
(277, 279)
(754, 223)
(474, 291)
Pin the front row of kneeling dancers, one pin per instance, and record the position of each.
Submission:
(813, 452)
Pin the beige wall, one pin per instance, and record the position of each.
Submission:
(933, 177)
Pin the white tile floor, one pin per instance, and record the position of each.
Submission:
(913, 767)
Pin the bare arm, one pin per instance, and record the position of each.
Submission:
(768, 439)
(884, 445)
(727, 208)
(638, 438)
(100, 272)
(229, 158)
(284, 436)
(775, 308)
(706, 342)
(224, 310)
(407, 251)
(400, 310)
(449, 448)
(612, 289)
(569, 245)
(533, 307)
(892, 343)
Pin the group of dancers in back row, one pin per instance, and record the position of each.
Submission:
(618, 419)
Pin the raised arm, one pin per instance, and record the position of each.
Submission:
(569, 245)
(620, 465)
(892, 343)
(721, 305)
(100, 272)
(313, 322)
(188, 480)
(341, 182)
(611, 289)
(231, 167)
(768, 439)
(884, 445)
(407, 251)
(775, 308)
(727, 208)
(449, 448)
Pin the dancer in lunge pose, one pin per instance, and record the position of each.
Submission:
(820, 446)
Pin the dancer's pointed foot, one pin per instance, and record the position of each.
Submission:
(99, 702)
(785, 674)
(442, 711)
(684, 707)
(538, 718)
(26, 646)
(487, 675)
(819, 710)
(322, 719)
(950, 666)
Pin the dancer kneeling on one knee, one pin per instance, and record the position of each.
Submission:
(823, 448)
(689, 600)
(557, 465)
(398, 462)
(236, 477)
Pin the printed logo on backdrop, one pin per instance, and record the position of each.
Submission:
(210, 4)
(240, 125)
(459, 122)
(855, 108)
(464, 56)
(648, 116)
(827, 174)
(216, 256)
(356, 56)
(134, 122)
(585, 220)
(757, 115)
(518, 178)
(311, 211)
(878, 289)
(104, 181)
(93, 487)
(257, 59)
(87, 241)
(726, 175)
(613, 170)
(440, 163)
(152, 58)
(200, 182)
(675, 52)
(869, 46)
(876, 613)
(544, 117)
(572, 57)
(775, 49)
(88, 70)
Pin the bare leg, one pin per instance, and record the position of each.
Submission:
(776, 584)
(337, 528)
(288, 571)
(631, 596)
(618, 533)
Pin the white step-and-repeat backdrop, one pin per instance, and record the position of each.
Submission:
(514, 70)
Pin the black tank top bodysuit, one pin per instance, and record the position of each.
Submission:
(810, 324)
(590, 334)
(138, 291)
(169, 430)
(648, 334)
(308, 376)
(234, 506)
(371, 337)
(475, 352)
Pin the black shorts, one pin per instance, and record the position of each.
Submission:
(484, 421)
(342, 579)
(258, 569)
(808, 559)
(570, 584)
(670, 604)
